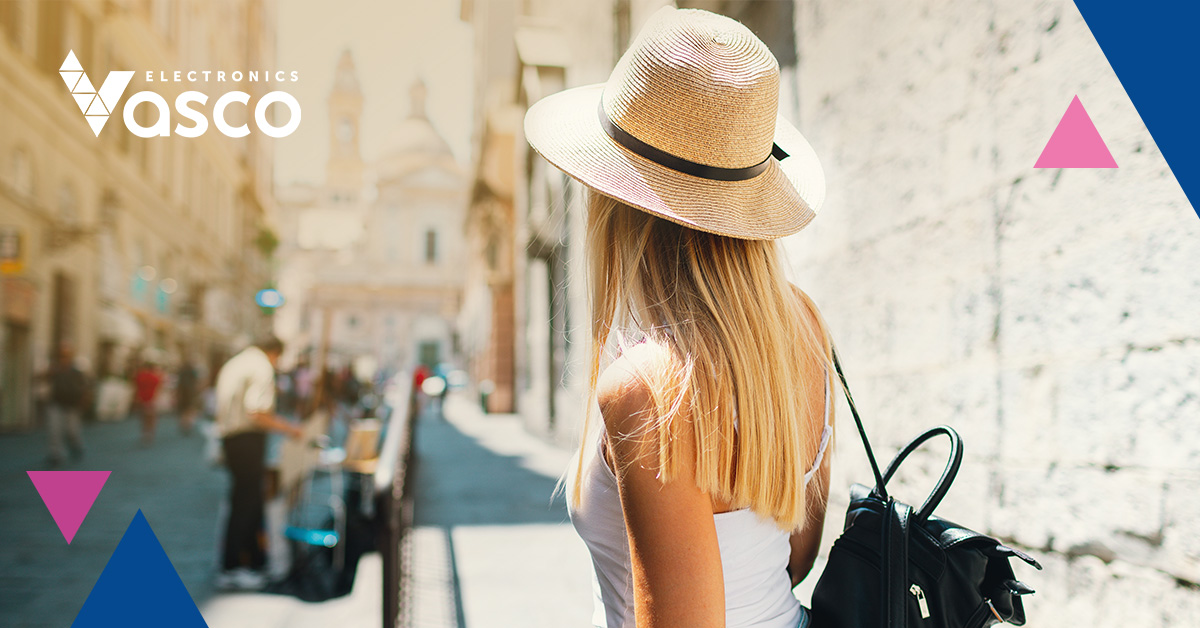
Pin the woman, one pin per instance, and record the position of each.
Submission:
(702, 499)
(146, 381)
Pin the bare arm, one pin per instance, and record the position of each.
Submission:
(807, 541)
(274, 423)
(675, 559)
(259, 400)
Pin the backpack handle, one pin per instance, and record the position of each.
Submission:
(948, 474)
(880, 490)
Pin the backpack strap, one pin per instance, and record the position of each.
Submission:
(880, 489)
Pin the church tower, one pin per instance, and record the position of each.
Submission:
(344, 171)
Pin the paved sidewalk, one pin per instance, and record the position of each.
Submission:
(489, 546)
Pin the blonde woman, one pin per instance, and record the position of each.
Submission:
(702, 498)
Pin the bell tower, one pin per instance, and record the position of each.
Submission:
(344, 171)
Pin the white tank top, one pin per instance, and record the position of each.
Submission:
(754, 553)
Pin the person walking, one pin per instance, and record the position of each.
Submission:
(303, 379)
(70, 390)
(147, 381)
(702, 497)
(245, 399)
(187, 395)
(421, 373)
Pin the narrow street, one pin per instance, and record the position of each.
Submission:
(489, 547)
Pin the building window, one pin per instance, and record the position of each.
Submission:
(163, 13)
(124, 135)
(11, 16)
(143, 116)
(68, 207)
(51, 26)
(431, 246)
(492, 252)
(345, 133)
(22, 172)
(83, 34)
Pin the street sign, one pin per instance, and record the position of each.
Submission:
(12, 257)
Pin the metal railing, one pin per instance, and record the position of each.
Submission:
(394, 503)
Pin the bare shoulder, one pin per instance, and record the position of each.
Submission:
(622, 391)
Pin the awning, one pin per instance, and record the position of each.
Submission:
(118, 325)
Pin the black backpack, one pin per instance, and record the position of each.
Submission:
(894, 567)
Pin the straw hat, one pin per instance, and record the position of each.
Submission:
(687, 129)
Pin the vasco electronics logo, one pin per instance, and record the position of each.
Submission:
(98, 104)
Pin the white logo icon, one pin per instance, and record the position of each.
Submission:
(95, 105)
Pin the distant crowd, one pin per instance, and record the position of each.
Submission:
(67, 394)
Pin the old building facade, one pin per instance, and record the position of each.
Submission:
(374, 256)
(115, 244)
(527, 300)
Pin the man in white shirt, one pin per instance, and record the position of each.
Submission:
(245, 400)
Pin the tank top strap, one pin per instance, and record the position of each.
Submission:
(826, 433)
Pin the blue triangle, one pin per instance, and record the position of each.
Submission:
(1152, 47)
(139, 587)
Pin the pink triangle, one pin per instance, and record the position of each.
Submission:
(1075, 143)
(68, 496)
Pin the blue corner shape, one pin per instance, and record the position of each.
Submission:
(1153, 48)
(139, 587)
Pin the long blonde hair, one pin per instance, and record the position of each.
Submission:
(749, 366)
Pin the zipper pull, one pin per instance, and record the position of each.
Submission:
(920, 595)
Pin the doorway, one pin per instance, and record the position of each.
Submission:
(15, 377)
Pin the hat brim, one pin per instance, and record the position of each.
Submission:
(565, 129)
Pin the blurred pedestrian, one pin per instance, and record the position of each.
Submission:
(486, 388)
(304, 381)
(147, 381)
(69, 391)
(187, 395)
(443, 371)
(419, 375)
(351, 393)
(328, 391)
(285, 388)
(245, 396)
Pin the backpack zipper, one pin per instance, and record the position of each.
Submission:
(920, 595)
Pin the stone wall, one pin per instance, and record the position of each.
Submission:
(1049, 315)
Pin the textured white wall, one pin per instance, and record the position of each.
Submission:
(1049, 315)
